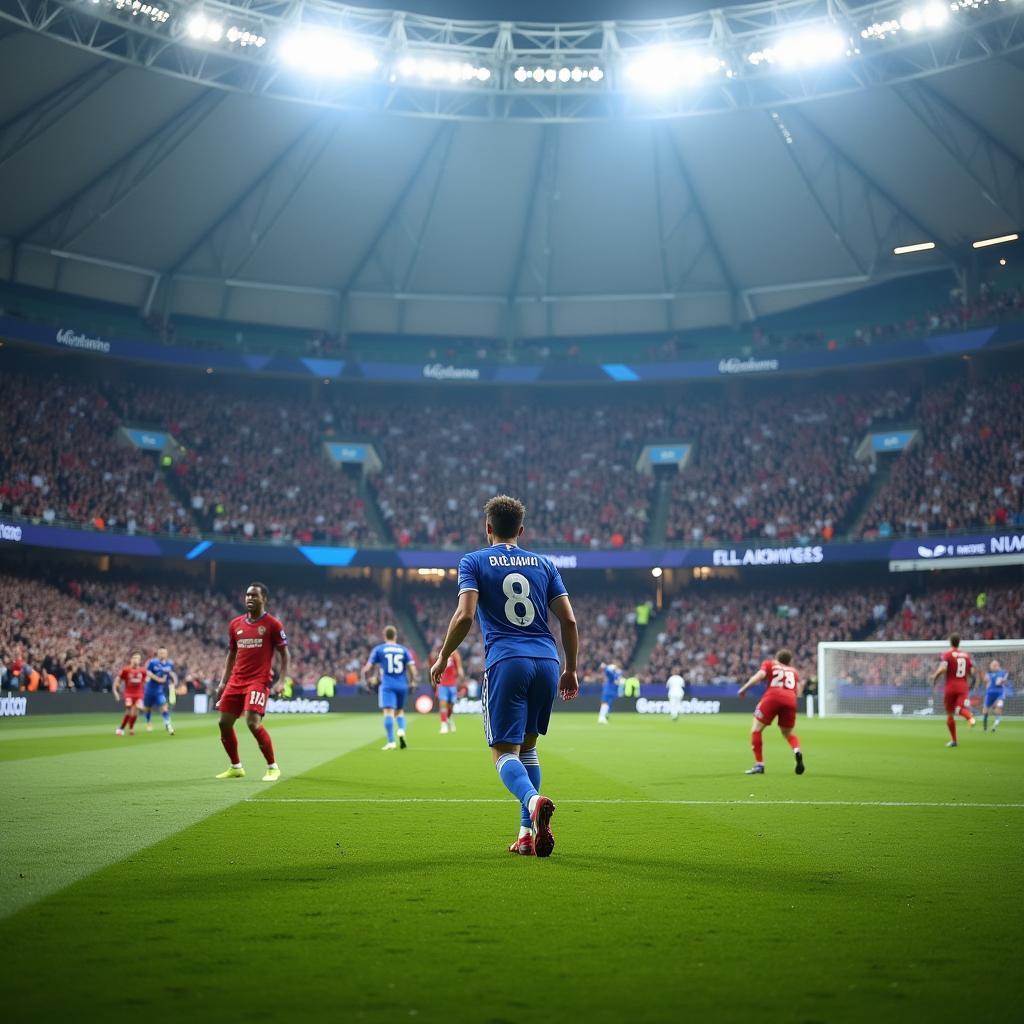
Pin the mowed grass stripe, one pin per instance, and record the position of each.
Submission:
(376, 911)
(68, 814)
(652, 803)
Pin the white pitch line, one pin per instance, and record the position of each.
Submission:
(670, 803)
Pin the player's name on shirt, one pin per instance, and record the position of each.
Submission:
(249, 641)
(513, 560)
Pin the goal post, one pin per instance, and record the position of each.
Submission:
(893, 678)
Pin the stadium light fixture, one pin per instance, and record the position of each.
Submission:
(433, 69)
(902, 250)
(806, 48)
(995, 241)
(243, 37)
(663, 69)
(137, 8)
(204, 29)
(656, 572)
(563, 75)
(323, 52)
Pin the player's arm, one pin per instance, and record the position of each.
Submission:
(411, 674)
(282, 669)
(757, 677)
(229, 665)
(568, 684)
(116, 688)
(458, 629)
(938, 672)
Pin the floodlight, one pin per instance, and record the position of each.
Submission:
(322, 52)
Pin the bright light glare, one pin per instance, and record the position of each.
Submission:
(664, 68)
(656, 572)
(562, 75)
(321, 52)
(201, 27)
(805, 49)
(432, 69)
(995, 241)
(901, 250)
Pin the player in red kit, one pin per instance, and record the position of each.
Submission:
(246, 683)
(448, 690)
(133, 675)
(958, 669)
(779, 700)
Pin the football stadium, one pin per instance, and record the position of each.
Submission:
(512, 510)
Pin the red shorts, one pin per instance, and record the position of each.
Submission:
(133, 695)
(954, 697)
(772, 704)
(240, 702)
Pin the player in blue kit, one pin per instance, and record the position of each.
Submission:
(995, 693)
(510, 591)
(397, 671)
(159, 676)
(609, 691)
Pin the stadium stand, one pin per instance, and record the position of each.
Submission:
(966, 469)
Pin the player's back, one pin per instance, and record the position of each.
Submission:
(515, 588)
(958, 667)
(393, 659)
(779, 678)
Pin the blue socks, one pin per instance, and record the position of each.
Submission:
(167, 716)
(149, 715)
(517, 781)
(400, 720)
(531, 762)
(389, 727)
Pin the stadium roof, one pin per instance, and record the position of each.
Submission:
(128, 184)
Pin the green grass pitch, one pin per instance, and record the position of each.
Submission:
(886, 884)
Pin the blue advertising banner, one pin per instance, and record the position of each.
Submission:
(894, 441)
(149, 440)
(342, 451)
(72, 340)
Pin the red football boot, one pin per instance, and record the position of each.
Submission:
(543, 840)
(523, 846)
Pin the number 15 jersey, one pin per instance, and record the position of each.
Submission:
(515, 589)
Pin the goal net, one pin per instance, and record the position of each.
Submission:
(893, 677)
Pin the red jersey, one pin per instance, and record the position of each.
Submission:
(132, 677)
(782, 680)
(254, 644)
(958, 667)
(450, 675)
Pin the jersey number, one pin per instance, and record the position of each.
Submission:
(782, 676)
(259, 698)
(519, 609)
(396, 663)
(961, 666)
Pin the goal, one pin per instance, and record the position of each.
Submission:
(892, 678)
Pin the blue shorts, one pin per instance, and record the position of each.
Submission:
(154, 695)
(392, 697)
(991, 696)
(450, 694)
(517, 697)
(609, 693)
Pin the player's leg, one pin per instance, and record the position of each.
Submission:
(787, 722)
(125, 719)
(165, 712)
(147, 709)
(674, 704)
(254, 720)
(386, 701)
(442, 711)
(950, 702)
(999, 705)
(451, 710)
(400, 717)
(134, 710)
(984, 715)
(539, 700)
(757, 727)
(605, 709)
(231, 707)
(964, 709)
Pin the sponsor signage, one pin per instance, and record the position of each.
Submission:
(894, 441)
(342, 451)
(437, 371)
(957, 552)
(10, 532)
(17, 707)
(149, 440)
(691, 706)
(748, 365)
(768, 556)
(72, 339)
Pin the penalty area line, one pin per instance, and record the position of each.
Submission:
(610, 802)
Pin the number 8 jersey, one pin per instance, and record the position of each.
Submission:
(515, 588)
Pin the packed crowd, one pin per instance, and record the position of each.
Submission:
(61, 460)
(82, 632)
(966, 468)
(256, 471)
(573, 467)
(721, 637)
(783, 471)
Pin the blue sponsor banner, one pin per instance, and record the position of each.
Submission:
(668, 454)
(70, 339)
(982, 545)
(150, 440)
(894, 441)
(342, 451)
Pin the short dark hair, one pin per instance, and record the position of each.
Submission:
(785, 656)
(261, 587)
(390, 632)
(954, 640)
(505, 514)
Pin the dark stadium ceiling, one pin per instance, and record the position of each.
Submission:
(123, 183)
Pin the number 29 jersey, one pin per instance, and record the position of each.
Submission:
(515, 589)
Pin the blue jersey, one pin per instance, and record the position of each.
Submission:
(392, 659)
(162, 669)
(611, 675)
(515, 589)
(996, 681)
